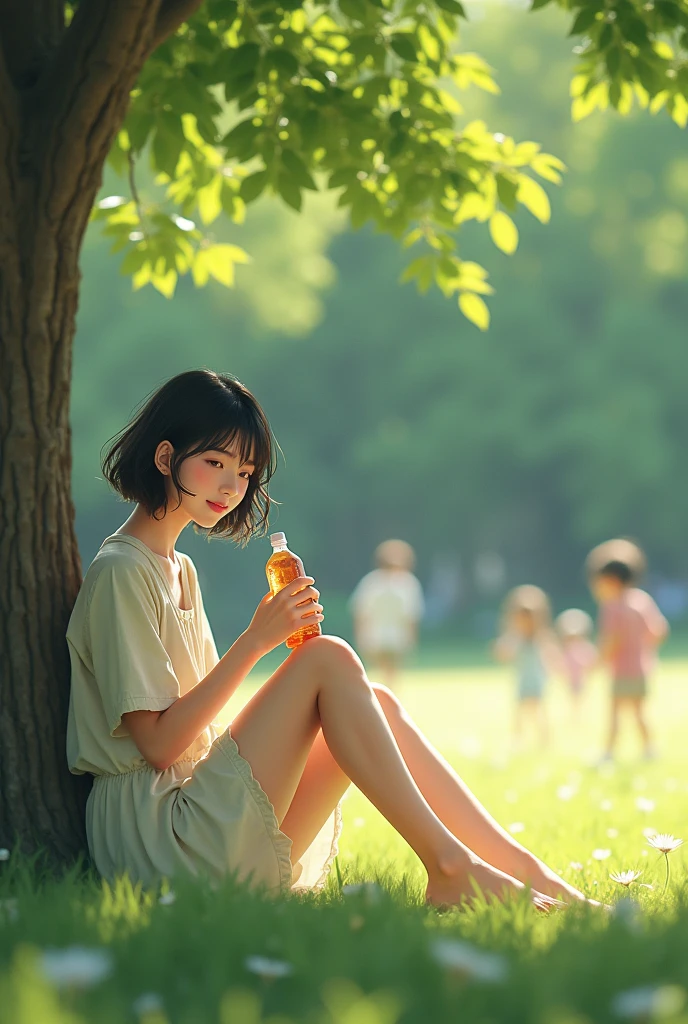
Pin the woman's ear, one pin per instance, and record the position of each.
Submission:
(163, 456)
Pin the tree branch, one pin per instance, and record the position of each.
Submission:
(171, 15)
(81, 100)
(101, 41)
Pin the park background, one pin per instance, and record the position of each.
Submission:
(501, 457)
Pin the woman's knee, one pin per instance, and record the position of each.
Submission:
(331, 652)
(389, 703)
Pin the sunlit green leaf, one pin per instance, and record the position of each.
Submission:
(504, 232)
(474, 309)
(534, 198)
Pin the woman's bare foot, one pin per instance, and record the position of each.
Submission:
(546, 881)
(455, 884)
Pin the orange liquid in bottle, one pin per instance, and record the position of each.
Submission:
(282, 567)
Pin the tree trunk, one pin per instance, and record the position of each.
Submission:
(63, 97)
(40, 574)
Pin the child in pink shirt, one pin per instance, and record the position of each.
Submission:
(631, 628)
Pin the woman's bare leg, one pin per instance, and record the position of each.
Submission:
(323, 684)
(322, 786)
(452, 801)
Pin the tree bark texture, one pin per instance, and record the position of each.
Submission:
(64, 92)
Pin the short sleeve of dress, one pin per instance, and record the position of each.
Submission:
(132, 669)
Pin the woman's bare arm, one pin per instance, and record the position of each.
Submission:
(163, 736)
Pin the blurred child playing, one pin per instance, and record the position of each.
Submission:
(630, 629)
(578, 653)
(528, 642)
(387, 606)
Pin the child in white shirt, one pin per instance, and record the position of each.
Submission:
(387, 606)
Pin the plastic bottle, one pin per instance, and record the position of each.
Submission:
(282, 567)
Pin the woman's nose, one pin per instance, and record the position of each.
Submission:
(231, 487)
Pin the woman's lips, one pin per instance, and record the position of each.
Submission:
(217, 508)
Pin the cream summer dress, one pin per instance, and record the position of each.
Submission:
(132, 648)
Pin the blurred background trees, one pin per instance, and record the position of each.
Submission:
(502, 457)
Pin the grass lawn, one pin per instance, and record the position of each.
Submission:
(377, 955)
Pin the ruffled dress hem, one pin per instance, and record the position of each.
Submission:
(334, 849)
(281, 843)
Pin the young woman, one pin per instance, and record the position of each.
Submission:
(260, 800)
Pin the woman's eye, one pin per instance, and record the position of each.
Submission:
(214, 462)
(247, 475)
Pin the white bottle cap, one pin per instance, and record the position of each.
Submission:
(278, 540)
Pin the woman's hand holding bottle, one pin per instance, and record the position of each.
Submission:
(278, 616)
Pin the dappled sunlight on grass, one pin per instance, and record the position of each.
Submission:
(188, 952)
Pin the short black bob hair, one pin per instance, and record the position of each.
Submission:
(196, 411)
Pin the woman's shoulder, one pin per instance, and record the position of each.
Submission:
(119, 563)
(116, 569)
(118, 555)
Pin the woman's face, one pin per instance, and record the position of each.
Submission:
(219, 481)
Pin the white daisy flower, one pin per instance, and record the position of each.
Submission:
(624, 877)
(643, 804)
(664, 842)
(566, 792)
(601, 854)
(462, 958)
(268, 969)
(576, 865)
(76, 966)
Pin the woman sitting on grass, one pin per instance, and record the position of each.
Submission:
(260, 799)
